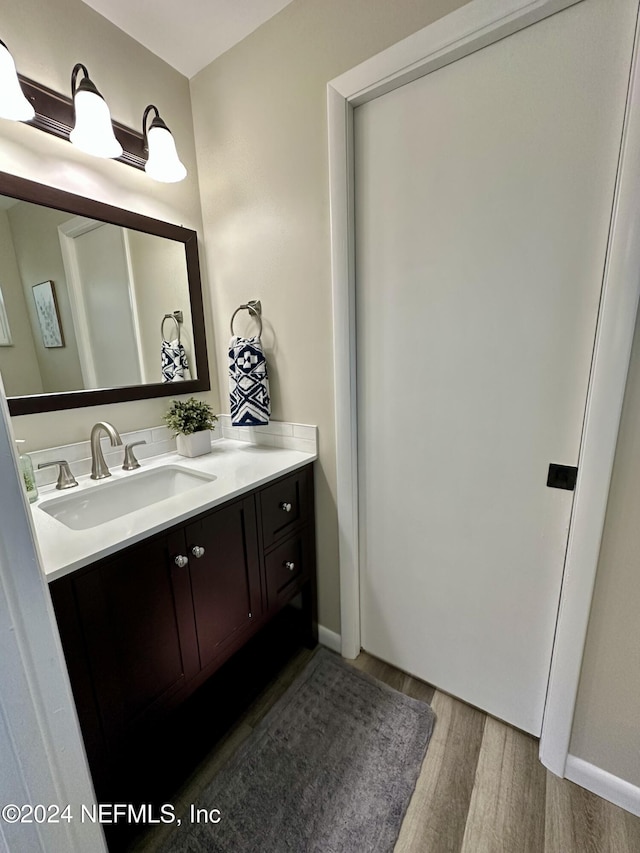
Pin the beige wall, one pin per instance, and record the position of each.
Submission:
(261, 136)
(46, 39)
(37, 247)
(606, 727)
(18, 362)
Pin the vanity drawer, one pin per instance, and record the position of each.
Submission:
(286, 565)
(283, 506)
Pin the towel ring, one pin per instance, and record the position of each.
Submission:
(255, 309)
(175, 320)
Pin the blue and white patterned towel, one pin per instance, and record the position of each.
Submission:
(174, 364)
(248, 383)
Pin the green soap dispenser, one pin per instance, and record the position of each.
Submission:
(26, 469)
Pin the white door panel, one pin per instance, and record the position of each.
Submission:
(101, 261)
(483, 197)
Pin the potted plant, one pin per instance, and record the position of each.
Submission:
(190, 420)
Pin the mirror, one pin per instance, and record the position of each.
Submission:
(97, 304)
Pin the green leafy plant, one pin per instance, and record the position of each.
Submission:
(188, 416)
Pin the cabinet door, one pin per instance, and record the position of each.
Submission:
(136, 616)
(71, 635)
(225, 576)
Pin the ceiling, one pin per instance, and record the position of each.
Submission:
(188, 34)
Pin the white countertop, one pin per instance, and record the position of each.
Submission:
(238, 467)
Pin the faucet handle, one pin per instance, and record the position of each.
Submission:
(130, 461)
(66, 480)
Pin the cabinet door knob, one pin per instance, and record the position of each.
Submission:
(181, 561)
(285, 506)
(197, 551)
(289, 564)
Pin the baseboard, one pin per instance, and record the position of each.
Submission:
(604, 784)
(329, 639)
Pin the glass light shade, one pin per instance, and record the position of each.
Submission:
(163, 163)
(93, 131)
(13, 104)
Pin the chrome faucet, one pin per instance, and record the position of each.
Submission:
(99, 468)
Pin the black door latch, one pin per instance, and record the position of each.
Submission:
(562, 477)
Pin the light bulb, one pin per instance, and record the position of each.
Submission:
(13, 104)
(93, 131)
(163, 163)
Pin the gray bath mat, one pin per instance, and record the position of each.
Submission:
(330, 769)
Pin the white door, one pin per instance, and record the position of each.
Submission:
(483, 195)
(103, 302)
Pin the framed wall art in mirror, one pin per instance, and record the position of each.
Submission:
(44, 297)
(88, 285)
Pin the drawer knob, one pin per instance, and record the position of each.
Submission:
(285, 506)
(181, 561)
(197, 551)
(289, 564)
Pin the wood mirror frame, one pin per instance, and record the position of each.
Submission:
(30, 191)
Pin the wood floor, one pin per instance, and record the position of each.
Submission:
(481, 788)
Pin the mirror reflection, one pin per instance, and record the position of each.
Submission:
(82, 304)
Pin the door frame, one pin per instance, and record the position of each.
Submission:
(470, 28)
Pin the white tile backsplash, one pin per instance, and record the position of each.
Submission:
(304, 431)
(275, 434)
(232, 432)
(306, 445)
(146, 451)
(161, 440)
(267, 440)
(276, 428)
(161, 433)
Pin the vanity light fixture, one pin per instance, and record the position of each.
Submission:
(93, 131)
(85, 121)
(163, 163)
(13, 103)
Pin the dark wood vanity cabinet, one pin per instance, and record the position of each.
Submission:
(143, 629)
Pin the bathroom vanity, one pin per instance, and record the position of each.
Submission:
(147, 620)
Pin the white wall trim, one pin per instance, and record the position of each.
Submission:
(340, 119)
(604, 784)
(614, 338)
(329, 639)
(470, 28)
(133, 302)
(458, 34)
(67, 233)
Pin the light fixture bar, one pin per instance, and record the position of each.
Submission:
(54, 114)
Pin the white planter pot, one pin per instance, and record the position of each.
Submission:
(196, 444)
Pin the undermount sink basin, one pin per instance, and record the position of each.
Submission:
(113, 499)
